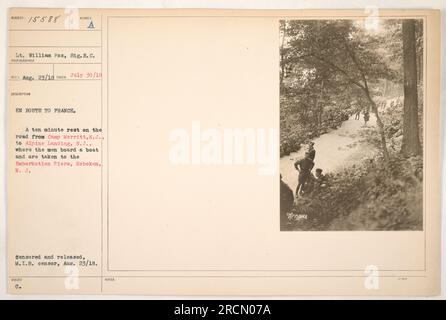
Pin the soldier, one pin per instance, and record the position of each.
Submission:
(304, 166)
(311, 151)
(320, 179)
(358, 113)
(366, 117)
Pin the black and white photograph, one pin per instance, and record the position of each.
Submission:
(254, 152)
(351, 124)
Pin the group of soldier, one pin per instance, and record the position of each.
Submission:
(307, 181)
(366, 115)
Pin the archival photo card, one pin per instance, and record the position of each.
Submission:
(223, 152)
(351, 124)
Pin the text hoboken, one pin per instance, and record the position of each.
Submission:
(235, 146)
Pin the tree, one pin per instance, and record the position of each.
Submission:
(349, 56)
(411, 141)
(283, 28)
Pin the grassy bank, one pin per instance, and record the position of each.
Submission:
(369, 196)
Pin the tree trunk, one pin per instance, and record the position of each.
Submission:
(411, 141)
(282, 56)
(380, 124)
(320, 108)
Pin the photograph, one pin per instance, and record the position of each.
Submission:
(351, 124)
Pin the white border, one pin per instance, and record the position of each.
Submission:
(224, 4)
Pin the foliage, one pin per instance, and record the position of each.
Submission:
(330, 69)
(371, 196)
(296, 127)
